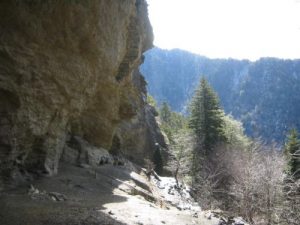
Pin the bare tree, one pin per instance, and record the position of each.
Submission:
(257, 183)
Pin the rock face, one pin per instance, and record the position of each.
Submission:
(67, 69)
(137, 138)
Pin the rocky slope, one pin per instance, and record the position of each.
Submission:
(103, 194)
(68, 75)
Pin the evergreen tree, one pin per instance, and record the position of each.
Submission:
(165, 113)
(292, 151)
(207, 117)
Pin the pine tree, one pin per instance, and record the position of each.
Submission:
(165, 113)
(207, 117)
(292, 151)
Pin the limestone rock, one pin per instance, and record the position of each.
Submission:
(138, 137)
(66, 67)
(80, 152)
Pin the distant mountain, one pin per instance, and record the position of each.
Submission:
(264, 95)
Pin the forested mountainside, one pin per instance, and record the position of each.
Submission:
(262, 94)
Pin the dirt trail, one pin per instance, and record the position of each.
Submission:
(89, 196)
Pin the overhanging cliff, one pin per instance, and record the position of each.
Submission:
(67, 69)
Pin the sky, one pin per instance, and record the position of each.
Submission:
(241, 29)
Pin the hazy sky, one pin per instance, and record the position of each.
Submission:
(228, 28)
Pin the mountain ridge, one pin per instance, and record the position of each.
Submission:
(247, 89)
